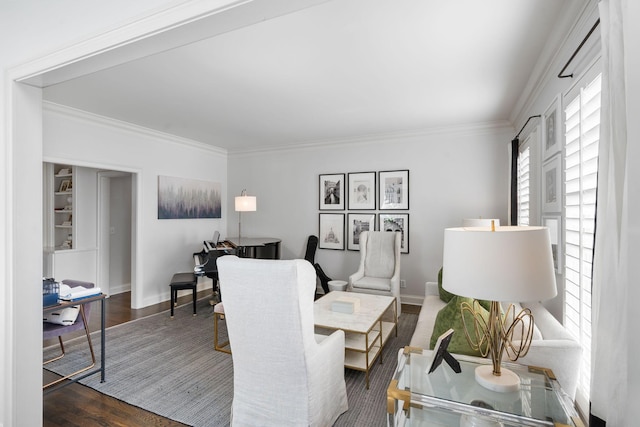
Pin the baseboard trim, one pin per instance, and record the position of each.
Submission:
(412, 299)
(119, 289)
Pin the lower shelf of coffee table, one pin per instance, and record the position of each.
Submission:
(355, 345)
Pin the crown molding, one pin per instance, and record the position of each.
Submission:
(464, 130)
(99, 120)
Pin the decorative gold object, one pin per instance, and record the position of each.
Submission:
(495, 336)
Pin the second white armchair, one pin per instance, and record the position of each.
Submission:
(379, 269)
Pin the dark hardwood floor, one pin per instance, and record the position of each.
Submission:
(78, 405)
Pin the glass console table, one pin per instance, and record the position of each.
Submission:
(444, 398)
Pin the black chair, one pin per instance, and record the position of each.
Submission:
(312, 245)
(324, 279)
(310, 255)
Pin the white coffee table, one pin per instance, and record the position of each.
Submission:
(366, 332)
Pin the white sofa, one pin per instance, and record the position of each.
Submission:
(557, 350)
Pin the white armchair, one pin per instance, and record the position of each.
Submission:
(379, 270)
(282, 376)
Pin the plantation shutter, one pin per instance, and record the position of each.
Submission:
(582, 124)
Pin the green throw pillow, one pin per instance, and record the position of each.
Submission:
(450, 316)
(446, 296)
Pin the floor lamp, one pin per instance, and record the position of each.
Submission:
(244, 203)
(499, 264)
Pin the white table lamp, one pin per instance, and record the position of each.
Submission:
(244, 203)
(508, 264)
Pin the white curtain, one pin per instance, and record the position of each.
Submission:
(610, 268)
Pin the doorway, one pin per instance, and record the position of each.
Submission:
(114, 226)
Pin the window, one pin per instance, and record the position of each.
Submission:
(582, 124)
(523, 185)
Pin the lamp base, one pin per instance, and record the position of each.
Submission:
(507, 382)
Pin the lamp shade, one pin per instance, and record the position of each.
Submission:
(512, 264)
(245, 203)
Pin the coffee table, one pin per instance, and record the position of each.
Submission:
(444, 398)
(366, 330)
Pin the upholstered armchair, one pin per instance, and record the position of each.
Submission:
(379, 269)
(282, 373)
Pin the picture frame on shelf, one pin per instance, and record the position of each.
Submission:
(554, 224)
(331, 231)
(551, 182)
(356, 224)
(331, 191)
(393, 189)
(65, 185)
(398, 223)
(551, 129)
(362, 190)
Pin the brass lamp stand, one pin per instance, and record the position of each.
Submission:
(494, 337)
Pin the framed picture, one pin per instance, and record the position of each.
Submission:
(551, 129)
(65, 185)
(332, 192)
(331, 231)
(362, 190)
(554, 224)
(184, 198)
(396, 223)
(394, 189)
(551, 181)
(356, 224)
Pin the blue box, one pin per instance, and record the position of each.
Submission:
(50, 292)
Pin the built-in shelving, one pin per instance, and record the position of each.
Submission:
(62, 205)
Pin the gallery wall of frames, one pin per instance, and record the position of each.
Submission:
(353, 202)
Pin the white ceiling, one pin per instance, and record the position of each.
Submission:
(341, 69)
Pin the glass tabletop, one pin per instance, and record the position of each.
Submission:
(539, 402)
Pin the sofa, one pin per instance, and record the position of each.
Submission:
(556, 350)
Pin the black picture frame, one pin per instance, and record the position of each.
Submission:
(356, 224)
(331, 231)
(331, 192)
(362, 191)
(440, 353)
(393, 189)
(396, 222)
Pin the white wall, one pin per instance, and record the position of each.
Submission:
(454, 174)
(165, 247)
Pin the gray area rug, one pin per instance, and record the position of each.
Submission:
(169, 367)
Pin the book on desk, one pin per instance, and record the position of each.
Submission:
(77, 293)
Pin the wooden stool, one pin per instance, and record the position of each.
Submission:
(181, 281)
